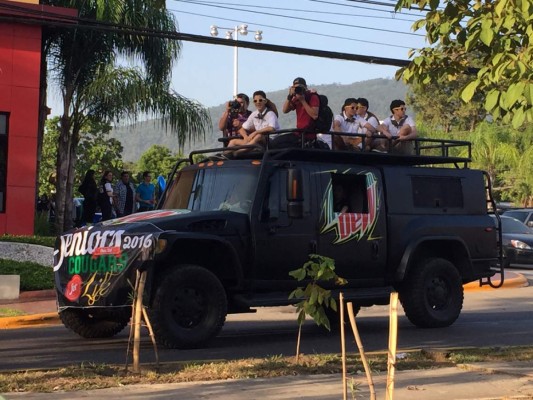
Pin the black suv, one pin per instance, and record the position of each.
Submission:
(227, 232)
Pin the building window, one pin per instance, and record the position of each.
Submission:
(4, 128)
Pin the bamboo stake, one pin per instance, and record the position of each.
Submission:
(137, 323)
(343, 348)
(361, 352)
(130, 337)
(152, 336)
(393, 336)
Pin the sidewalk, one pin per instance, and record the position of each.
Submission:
(479, 381)
(482, 381)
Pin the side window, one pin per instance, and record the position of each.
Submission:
(437, 192)
(349, 193)
(4, 128)
(272, 203)
(275, 201)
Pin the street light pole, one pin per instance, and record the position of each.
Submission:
(234, 34)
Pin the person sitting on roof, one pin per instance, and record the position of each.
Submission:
(262, 121)
(400, 127)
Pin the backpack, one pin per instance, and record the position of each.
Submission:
(325, 115)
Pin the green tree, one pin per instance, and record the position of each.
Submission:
(83, 63)
(500, 32)
(158, 160)
(439, 105)
(99, 152)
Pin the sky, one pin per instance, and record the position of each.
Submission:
(204, 72)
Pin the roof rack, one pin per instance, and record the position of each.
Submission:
(425, 152)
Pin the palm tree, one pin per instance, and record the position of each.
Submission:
(83, 63)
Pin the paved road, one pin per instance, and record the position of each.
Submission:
(498, 317)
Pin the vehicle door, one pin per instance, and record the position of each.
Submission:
(352, 224)
(282, 242)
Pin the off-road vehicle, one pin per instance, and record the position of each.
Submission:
(228, 231)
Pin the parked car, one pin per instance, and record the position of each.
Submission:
(517, 242)
(524, 215)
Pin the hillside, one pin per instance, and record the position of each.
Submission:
(137, 138)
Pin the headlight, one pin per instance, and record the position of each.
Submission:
(517, 244)
(160, 246)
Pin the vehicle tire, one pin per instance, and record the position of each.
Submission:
(189, 307)
(432, 295)
(96, 323)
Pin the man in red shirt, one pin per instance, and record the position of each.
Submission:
(306, 104)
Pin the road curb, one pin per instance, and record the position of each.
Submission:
(25, 321)
(511, 280)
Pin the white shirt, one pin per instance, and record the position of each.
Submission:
(109, 190)
(363, 121)
(347, 126)
(255, 121)
(395, 130)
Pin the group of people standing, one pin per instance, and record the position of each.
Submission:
(115, 200)
(243, 127)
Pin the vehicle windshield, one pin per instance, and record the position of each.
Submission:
(511, 225)
(208, 189)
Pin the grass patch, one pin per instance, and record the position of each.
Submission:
(47, 241)
(95, 376)
(9, 312)
(33, 276)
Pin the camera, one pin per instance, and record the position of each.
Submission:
(235, 106)
(299, 90)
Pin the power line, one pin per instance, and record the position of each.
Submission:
(362, 8)
(293, 30)
(43, 18)
(206, 3)
(317, 21)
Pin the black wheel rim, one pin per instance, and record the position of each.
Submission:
(188, 307)
(438, 293)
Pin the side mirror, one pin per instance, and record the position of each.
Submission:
(295, 200)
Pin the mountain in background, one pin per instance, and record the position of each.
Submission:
(137, 138)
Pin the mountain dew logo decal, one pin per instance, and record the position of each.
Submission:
(351, 226)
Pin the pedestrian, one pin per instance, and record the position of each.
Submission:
(125, 192)
(89, 190)
(146, 193)
(105, 196)
(346, 122)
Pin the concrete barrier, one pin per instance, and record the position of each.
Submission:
(9, 287)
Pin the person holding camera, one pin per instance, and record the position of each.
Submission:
(262, 121)
(306, 104)
(235, 114)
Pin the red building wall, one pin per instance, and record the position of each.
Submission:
(20, 59)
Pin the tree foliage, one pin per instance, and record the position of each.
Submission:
(157, 159)
(97, 151)
(439, 106)
(83, 64)
(314, 298)
(500, 32)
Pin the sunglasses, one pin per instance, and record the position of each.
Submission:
(400, 108)
(354, 107)
(259, 100)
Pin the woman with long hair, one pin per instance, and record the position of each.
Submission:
(89, 190)
(105, 196)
